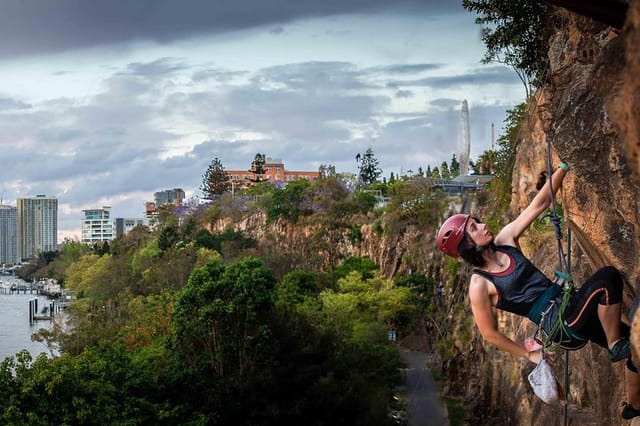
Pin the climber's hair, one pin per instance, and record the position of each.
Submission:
(470, 251)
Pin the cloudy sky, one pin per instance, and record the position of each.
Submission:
(104, 102)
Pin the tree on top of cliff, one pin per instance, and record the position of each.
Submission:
(368, 171)
(516, 33)
(258, 168)
(215, 180)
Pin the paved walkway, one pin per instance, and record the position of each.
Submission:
(424, 407)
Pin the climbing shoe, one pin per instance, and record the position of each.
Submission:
(628, 412)
(620, 350)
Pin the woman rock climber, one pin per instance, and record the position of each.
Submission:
(504, 278)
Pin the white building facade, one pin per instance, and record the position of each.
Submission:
(97, 225)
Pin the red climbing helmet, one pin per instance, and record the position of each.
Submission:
(451, 233)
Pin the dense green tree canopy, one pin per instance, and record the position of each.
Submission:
(291, 202)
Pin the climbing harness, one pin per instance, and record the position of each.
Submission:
(553, 330)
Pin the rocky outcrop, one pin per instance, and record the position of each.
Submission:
(626, 106)
(589, 109)
(625, 114)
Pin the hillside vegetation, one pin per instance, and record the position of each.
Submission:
(269, 320)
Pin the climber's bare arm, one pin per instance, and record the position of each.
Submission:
(510, 233)
(480, 296)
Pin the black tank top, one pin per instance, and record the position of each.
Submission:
(519, 285)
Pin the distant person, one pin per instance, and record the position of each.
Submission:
(439, 294)
(504, 278)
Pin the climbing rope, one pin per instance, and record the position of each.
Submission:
(568, 340)
(564, 336)
(555, 219)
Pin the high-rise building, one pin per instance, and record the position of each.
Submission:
(37, 225)
(8, 235)
(124, 225)
(97, 225)
(169, 196)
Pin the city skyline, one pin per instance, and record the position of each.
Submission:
(106, 105)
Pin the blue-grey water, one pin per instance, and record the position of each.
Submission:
(15, 330)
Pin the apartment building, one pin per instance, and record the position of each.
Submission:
(173, 196)
(125, 224)
(37, 225)
(97, 225)
(8, 235)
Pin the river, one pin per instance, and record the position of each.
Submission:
(15, 330)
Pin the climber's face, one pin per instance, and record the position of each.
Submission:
(478, 232)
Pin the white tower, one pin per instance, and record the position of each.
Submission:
(493, 138)
(464, 144)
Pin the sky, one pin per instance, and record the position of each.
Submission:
(104, 102)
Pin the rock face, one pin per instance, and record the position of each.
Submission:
(626, 106)
(589, 109)
(599, 196)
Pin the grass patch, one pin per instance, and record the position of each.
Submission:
(456, 409)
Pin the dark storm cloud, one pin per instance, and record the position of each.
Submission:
(36, 27)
